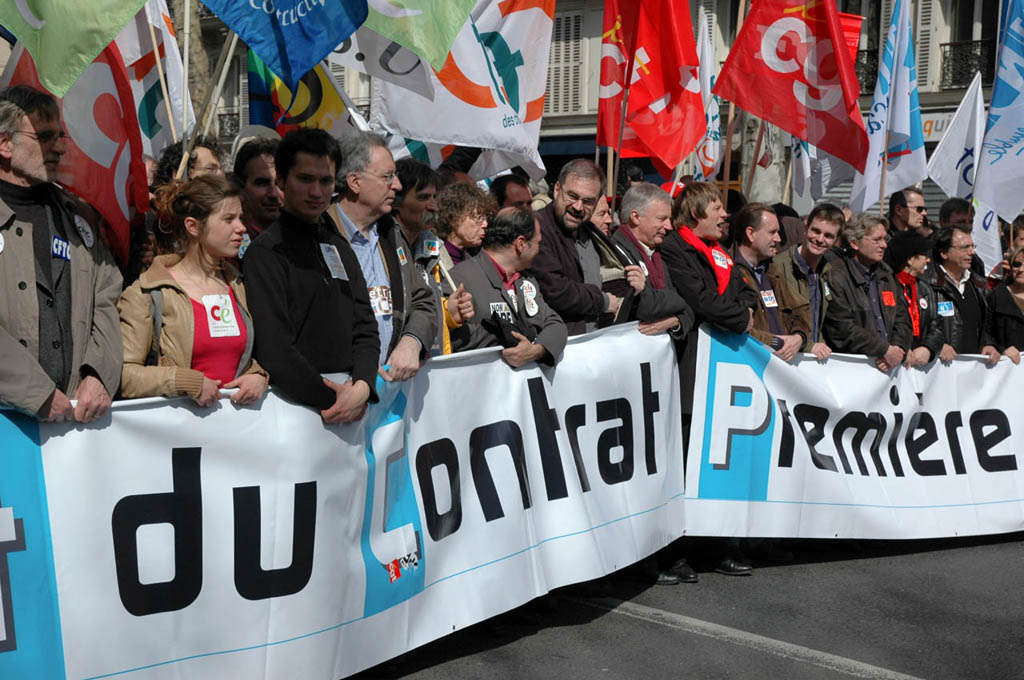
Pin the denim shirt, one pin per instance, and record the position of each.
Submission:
(371, 261)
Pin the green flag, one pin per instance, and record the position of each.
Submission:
(64, 37)
(425, 27)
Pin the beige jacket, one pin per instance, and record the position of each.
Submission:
(95, 285)
(173, 375)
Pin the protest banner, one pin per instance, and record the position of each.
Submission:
(841, 450)
(169, 541)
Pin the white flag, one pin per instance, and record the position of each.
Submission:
(816, 171)
(135, 44)
(895, 114)
(709, 149)
(378, 57)
(997, 185)
(953, 160)
(489, 95)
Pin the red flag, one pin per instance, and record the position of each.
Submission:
(791, 66)
(102, 163)
(665, 119)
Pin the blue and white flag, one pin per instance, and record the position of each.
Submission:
(952, 165)
(291, 36)
(895, 115)
(709, 149)
(997, 185)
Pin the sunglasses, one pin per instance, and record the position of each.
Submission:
(46, 138)
(920, 208)
(1016, 265)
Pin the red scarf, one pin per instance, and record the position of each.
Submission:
(655, 268)
(721, 263)
(909, 285)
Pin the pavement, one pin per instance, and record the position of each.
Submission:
(950, 608)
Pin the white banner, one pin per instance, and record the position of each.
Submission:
(841, 450)
(171, 541)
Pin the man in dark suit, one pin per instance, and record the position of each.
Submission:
(403, 305)
(495, 279)
(647, 213)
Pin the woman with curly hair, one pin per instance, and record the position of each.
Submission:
(184, 323)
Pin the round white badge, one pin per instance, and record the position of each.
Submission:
(84, 230)
(923, 302)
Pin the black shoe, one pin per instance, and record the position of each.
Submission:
(683, 571)
(666, 578)
(733, 566)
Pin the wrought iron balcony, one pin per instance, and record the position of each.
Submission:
(867, 70)
(961, 60)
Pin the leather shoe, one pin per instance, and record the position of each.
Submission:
(666, 578)
(683, 571)
(733, 566)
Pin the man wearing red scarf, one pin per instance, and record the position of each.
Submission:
(647, 211)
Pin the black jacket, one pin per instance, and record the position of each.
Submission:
(559, 272)
(850, 323)
(654, 304)
(694, 280)
(931, 329)
(1005, 321)
(307, 322)
(976, 291)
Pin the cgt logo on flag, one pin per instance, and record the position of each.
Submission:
(12, 539)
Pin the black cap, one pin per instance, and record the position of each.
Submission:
(906, 244)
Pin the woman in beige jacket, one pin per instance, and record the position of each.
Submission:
(203, 339)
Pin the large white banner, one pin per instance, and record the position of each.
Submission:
(841, 450)
(170, 541)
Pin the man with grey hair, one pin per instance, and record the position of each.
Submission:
(404, 307)
(568, 266)
(59, 329)
(647, 213)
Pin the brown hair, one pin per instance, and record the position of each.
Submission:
(692, 202)
(178, 199)
(457, 201)
(1008, 274)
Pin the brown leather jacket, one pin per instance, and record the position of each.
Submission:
(794, 312)
(173, 375)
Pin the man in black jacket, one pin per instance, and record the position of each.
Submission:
(867, 314)
(568, 266)
(307, 296)
(961, 297)
(403, 305)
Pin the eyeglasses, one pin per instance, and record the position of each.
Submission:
(969, 246)
(387, 177)
(575, 198)
(920, 208)
(46, 138)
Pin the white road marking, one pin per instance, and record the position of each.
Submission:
(739, 637)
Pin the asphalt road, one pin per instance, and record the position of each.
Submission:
(841, 609)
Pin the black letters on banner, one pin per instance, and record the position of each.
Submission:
(482, 439)
(546, 421)
(862, 425)
(620, 436)
(252, 581)
(652, 404)
(182, 508)
(916, 445)
(983, 443)
(439, 452)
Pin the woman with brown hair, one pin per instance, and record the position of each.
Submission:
(1006, 316)
(184, 323)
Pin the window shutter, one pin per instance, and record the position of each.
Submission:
(338, 73)
(924, 34)
(565, 65)
(243, 89)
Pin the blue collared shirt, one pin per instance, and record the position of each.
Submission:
(813, 291)
(371, 262)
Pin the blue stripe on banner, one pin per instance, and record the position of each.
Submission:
(30, 635)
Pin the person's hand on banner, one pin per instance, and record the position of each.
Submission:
(523, 353)
(210, 392)
(349, 404)
(791, 344)
(93, 400)
(919, 356)
(892, 358)
(251, 388)
(57, 408)
(821, 351)
(947, 353)
(404, 361)
(1013, 354)
(991, 353)
(669, 323)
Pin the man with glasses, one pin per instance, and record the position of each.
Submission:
(867, 314)
(907, 210)
(403, 305)
(568, 266)
(60, 336)
(961, 297)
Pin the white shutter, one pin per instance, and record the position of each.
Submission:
(925, 38)
(883, 28)
(243, 88)
(565, 65)
(338, 72)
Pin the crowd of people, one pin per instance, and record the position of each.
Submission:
(321, 256)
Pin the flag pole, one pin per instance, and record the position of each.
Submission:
(205, 115)
(727, 161)
(787, 191)
(184, 70)
(160, 72)
(753, 164)
(885, 168)
(609, 178)
(625, 104)
(675, 180)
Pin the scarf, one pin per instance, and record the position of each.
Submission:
(721, 263)
(655, 267)
(909, 285)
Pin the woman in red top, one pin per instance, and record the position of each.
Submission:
(201, 338)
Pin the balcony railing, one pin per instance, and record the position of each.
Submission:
(961, 60)
(867, 70)
(228, 122)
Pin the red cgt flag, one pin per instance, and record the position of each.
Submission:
(665, 119)
(791, 66)
(102, 163)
